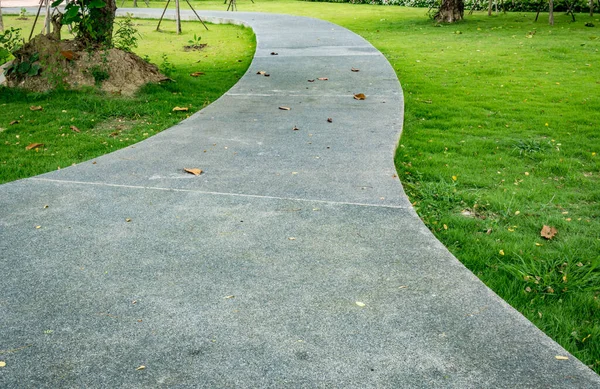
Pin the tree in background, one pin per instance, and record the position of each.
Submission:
(92, 20)
(450, 11)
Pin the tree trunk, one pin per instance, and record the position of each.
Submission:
(551, 13)
(100, 23)
(491, 2)
(450, 11)
(591, 8)
(134, 4)
(1, 22)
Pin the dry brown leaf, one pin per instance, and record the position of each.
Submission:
(295, 128)
(329, 120)
(181, 109)
(267, 75)
(355, 70)
(128, 220)
(197, 74)
(360, 96)
(75, 129)
(68, 54)
(14, 122)
(285, 108)
(548, 232)
(36, 108)
(229, 297)
(261, 72)
(193, 171)
(323, 79)
(311, 80)
(141, 367)
(561, 358)
(34, 146)
(274, 53)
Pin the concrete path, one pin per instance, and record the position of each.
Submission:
(295, 260)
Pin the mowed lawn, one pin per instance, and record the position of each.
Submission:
(501, 138)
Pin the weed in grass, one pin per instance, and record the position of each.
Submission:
(166, 67)
(530, 146)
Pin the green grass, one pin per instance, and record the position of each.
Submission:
(107, 124)
(500, 138)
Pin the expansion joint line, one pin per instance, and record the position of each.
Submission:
(218, 193)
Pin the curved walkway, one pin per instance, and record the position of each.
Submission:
(295, 260)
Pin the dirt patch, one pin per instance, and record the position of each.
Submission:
(64, 63)
(195, 47)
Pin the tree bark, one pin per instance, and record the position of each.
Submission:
(1, 22)
(450, 11)
(490, 7)
(591, 8)
(100, 22)
(551, 13)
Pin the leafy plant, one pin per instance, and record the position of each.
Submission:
(126, 36)
(78, 14)
(166, 66)
(10, 42)
(25, 67)
(100, 74)
(195, 41)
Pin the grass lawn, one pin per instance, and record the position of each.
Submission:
(501, 138)
(107, 124)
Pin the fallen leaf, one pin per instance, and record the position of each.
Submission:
(329, 120)
(229, 297)
(295, 128)
(197, 74)
(501, 252)
(267, 75)
(403, 287)
(38, 227)
(128, 220)
(323, 79)
(454, 178)
(285, 108)
(291, 238)
(114, 134)
(360, 304)
(261, 72)
(141, 367)
(36, 108)
(193, 171)
(548, 232)
(489, 231)
(355, 70)
(360, 96)
(2, 364)
(528, 289)
(75, 129)
(561, 358)
(311, 80)
(69, 55)
(14, 122)
(34, 146)
(181, 109)
(274, 53)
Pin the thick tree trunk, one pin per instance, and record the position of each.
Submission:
(1, 22)
(450, 11)
(551, 13)
(491, 2)
(101, 22)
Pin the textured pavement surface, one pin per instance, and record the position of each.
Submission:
(295, 260)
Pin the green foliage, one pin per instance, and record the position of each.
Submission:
(79, 15)
(126, 35)
(166, 67)
(100, 74)
(10, 42)
(25, 67)
(195, 41)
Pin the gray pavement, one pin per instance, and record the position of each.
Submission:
(295, 260)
